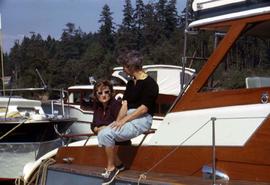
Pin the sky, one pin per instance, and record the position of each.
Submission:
(49, 17)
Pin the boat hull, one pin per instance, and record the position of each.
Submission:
(84, 119)
(27, 143)
(249, 162)
(36, 131)
(233, 161)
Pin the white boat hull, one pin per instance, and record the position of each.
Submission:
(234, 126)
(84, 119)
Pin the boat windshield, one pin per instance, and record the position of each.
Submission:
(246, 65)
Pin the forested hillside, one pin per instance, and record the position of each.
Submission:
(156, 29)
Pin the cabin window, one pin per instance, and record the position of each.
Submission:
(87, 100)
(27, 109)
(74, 97)
(246, 65)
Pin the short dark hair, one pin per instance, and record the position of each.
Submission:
(132, 60)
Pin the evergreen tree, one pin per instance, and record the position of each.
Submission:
(106, 30)
(161, 15)
(139, 23)
(128, 21)
(151, 30)
(126, 33)
(71, 45)
(171, 18)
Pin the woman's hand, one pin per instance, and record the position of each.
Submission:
(118, 124)
(98, 129)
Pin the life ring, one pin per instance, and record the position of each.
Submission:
(119, 96)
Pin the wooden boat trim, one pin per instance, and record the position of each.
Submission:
(224, 98)
(208, 69)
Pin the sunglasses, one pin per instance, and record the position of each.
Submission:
(103, 92)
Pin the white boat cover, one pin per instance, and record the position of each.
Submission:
(168, 77)
(214, 11)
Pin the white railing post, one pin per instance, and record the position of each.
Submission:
(213, 151)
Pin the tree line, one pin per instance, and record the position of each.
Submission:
(153, 28)
(156, 29)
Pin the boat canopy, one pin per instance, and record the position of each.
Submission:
(216, 11)
(168, 84)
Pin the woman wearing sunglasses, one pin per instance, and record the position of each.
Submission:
(135, 116)
(106, 108)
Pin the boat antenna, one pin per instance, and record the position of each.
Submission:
(43, 82)
(2, 57)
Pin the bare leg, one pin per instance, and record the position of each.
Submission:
(117, 161)
(110, 153)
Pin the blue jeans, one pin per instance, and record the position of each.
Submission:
(134, 128)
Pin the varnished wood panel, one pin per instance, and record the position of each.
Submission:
(224, 98)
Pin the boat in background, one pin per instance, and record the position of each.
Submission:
(168, 77)
(27, 133)
(80, 98)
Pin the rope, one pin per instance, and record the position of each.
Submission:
(19, 180)
(143, 176)
(7, 133)
(43, 168)
(39, 176)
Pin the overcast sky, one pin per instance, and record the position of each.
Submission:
(49, 17)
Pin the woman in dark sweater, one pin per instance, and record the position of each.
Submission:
(106, 108)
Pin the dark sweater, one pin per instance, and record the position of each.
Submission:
(144, 92)
(105, 117)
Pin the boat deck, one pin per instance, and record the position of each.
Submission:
(132, 177)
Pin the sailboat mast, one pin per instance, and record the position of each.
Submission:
(2, 56)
